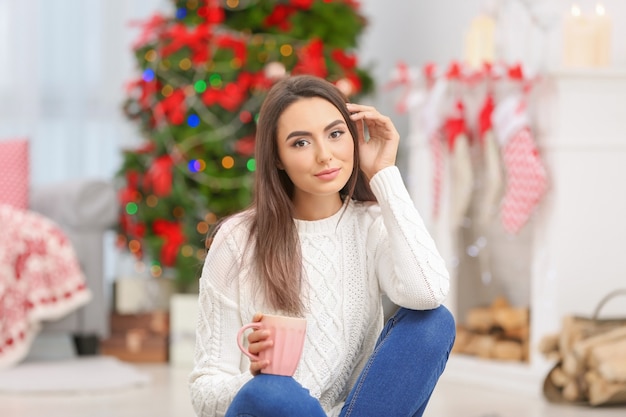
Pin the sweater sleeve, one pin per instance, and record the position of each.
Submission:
(410, 270)
(217, 374)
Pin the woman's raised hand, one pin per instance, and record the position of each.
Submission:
(380, 150)
(257, 342)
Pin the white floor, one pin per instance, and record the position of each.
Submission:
(167, 396)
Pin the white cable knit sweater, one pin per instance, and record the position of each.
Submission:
(350, 259)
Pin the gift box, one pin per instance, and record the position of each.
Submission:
(183, 321)
(134, 295)
(142, 337)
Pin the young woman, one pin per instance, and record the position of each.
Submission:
(332, 228)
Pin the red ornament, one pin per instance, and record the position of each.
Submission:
(245, 146)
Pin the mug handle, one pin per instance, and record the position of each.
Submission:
(255, 325)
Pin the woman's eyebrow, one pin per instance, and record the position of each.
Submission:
(305, 133)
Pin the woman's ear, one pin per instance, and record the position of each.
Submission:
(279, 165)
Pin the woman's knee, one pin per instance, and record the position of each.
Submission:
(435, 326)
(271, 395)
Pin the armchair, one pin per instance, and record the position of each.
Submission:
(85, 210)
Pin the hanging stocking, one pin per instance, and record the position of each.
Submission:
(526, 178)
(492, 183)
(461, 173)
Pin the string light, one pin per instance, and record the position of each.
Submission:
(245, 116)
(184, 64)
(186, 251)
(134, 246)
(193, 120)
(148, 75)
(215, 80)
(152, 201)
(200, 86)
(131, 208)
(286, 50)
(181, 13)
(228, 162)
(167, 90)
(202, 228)
(251, 165)
(156, 270)
(151, 55)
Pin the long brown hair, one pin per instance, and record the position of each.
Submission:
(277, 256)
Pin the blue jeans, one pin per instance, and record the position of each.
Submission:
(397, 381)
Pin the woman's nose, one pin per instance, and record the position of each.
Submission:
(323, 154)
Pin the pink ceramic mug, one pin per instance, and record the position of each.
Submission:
(288, 336)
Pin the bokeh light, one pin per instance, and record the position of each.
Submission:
(131, 208)
(148, 75)
(228, 162)
(193, 120)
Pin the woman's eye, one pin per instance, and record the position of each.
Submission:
(300, 143)
(336, 134)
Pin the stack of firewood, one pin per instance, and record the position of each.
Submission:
(498, 331)
(591, 361)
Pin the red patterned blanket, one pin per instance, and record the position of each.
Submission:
(40, 279)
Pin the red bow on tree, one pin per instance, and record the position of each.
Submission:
(311, 60)
(237, 45)
(196, 40)
(213, 13)
(150, 29)
(172, 107)
(172, 234)
(232, 95)
(159, 176)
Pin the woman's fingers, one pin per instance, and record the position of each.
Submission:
(258, 341)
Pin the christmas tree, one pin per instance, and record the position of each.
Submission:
(203, 74)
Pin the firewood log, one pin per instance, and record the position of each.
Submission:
(480, 319)
(508, 350)
(572, 392)
(613, 370)
(511, 318)
(608, 352)
(559, 378)
(572, 365)
(481, 345)
(549, 347)
(582, 348)
(500, 302)
(601, 391)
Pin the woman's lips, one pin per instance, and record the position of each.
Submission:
(328, 174)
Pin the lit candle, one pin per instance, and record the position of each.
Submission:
(603, 28)
(579, 40)
(479, 41)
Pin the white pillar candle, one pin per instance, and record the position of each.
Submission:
(603, 29)
(479, 42)
(579, 40)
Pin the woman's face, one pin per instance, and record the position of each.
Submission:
(315, 149)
